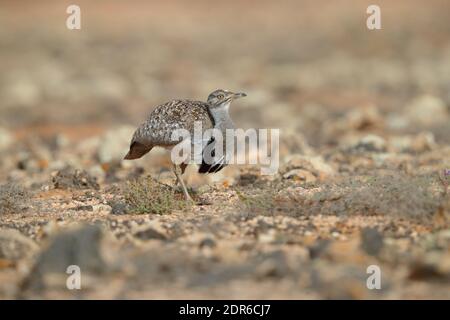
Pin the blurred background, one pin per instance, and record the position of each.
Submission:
(295, 59)
(365, 131)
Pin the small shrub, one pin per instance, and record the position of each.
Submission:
(70, 178)
(412, 197)
(146, 195)
(416, 197)
(264, 202)
(256, 202)
(13, 198)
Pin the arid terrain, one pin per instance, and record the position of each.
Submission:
(364, 151)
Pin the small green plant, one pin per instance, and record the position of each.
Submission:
(13, 198)
(146, 195)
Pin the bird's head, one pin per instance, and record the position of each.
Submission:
(223, 98)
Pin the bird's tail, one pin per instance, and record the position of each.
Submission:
(137, 150)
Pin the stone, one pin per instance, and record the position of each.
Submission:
(400, 143)
(114, 144)
(427, 110)
(85, 247)
(80, 247)
(150, 231)
(371, 241)
(202, 240)
(424, 141)
(397, 122)
(13, 198)
(85, 208)
(6, 139)
(371, 143)
(75, 247)
(433, 265)
(363, 118)
(22, 91)
(70, 178)
(315, 165)
(292, 141)
(349, 127)
(318, 248)
(15, 246)
(300, 175)
(273, 265)
(118, 208)
(101, 207)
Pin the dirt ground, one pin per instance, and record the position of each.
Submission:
(364, 151)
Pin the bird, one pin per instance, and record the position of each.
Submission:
(157, 130)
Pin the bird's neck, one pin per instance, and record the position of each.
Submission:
(221, 116)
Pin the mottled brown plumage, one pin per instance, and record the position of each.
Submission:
(163, 120)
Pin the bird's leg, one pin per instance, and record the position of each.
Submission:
(180, 181)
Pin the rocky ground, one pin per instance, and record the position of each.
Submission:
(364, 155)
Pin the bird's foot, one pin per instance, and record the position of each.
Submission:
(188, 198)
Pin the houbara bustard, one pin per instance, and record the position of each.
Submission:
(157, 130)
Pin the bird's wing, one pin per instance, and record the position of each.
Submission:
(165, 119)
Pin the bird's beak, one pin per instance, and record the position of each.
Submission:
(239, 95)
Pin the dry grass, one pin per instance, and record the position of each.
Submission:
(412, 197)
(146, 195)
(416, 197)
(256, 203)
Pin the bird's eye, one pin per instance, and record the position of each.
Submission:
(220, 96)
